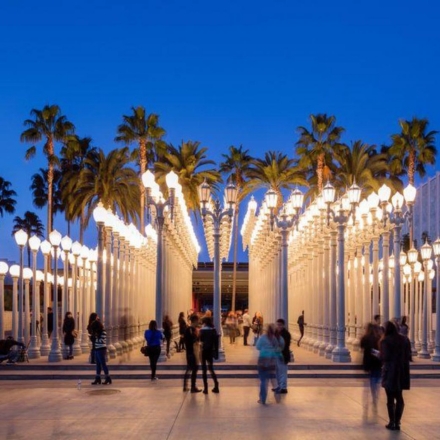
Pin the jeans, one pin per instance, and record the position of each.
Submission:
(207, 360)
(282, 369)
(168, 341)
(154, 357)
(375, 380)
(265, 376)
(245, 335)
(100, 361)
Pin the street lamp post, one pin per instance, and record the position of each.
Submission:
(27, 275)
(55, 352)
(34, 349)
(284, 221)
(217, 214)
(14, 271)
(412, 260)
(156, 200)
(99, 215)
(436, 356)
(45, 346)
(21, 239)
(426, 252)
(3, 272)
(340, 217)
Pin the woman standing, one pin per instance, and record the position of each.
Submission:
(182, 328)
(167, 325)
(98, 336)
(69, 338)
(231, 324)
(395, 352)
(257, 326)
(270, 347)
(154, 338)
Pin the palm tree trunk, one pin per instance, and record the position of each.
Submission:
(411, 166)
(234, 269)
(49, 199)
(143, 168)
(319, 172)
(28, 248)
(82, 220)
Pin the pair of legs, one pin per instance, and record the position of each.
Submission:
(265, 375)
(11, 357)
(245, 335)
(282, 369)
(69, 351)
(193, 367)
(207, 361)
(168, 341)
(101, 365)
(232, 334)
(375, 380)
(181, 343)
(301, 330)
(395, 405)
(154, 354)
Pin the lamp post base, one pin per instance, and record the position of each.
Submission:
(329, 351)
(111, 351)
(424, 354)
(34, 351)
(45, 346)
(119, 350)
(163, 354)
(341, 354)
(221, 355)
(85, 346)
(55, 354)
(436, 357)
(77, 346)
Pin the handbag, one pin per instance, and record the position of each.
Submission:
(75, 333)
(145, 350)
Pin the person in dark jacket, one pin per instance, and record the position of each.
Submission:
(49, 321)
(371, 362)
(283, 362)
(167, 326)
(154, 338)
(182, 328)
(395, 353)
(68, 329)
(209, 340)
(192, 362)
(6, 352)
(98, 336)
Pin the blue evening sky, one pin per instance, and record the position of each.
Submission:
(220, 72)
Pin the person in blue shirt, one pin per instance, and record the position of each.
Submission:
(154, 338)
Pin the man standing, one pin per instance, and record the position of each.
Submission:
(209, 340)
(49, 321)
(301, 325)
(247, 324)
(192, 354)
(282, 364)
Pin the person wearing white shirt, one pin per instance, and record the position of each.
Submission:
(247, 324)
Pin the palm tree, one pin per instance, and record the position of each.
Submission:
(143, 130)
(32, 225)
(277, 172)
(73, 159)
(316, 148)
(188, 161)
(235, 166)
(109, 179)
(50, 126)
(363, 165)
(40, 188)
(412, 149)
(7, 201)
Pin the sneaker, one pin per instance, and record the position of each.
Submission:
(283, 391)
(195, 390)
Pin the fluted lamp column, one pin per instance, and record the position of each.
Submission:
(34, 350)
(436, 248)
(3, 271)
(426, 252)
(412, 260)
(21, 239)
(45, 247)
(99, 215)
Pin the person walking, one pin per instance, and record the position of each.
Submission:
(301, 325)
(98, 336)
(257, 326)
(192, 354)
(231, 324)
(154, 338)
(395, 353)
(247, 324)
(182, 328)
(371, 361)
(209, 340)
(282, 366)
(167, 326)
(68, 332)
(269, 347)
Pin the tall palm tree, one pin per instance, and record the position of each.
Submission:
(143, 130)
(316, 147)
(188, 161)
(7, 201)
(412, 149)
(363, 165)
(50, 126)
(73, 159)
(235, 167)
(32, 225)
(109, 179)
(40, 188)
(277, 172)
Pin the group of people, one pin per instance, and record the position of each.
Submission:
(386, 357)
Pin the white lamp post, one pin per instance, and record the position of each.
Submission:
(82, 319)
(34, 349)
(412, 260)
(436, 356)
(426, 252)
(99, 215)
(76, 252)
(3, 272)
(45, 346)
(55, 352)
(27, 275)
(14, 271)
(217, 214)
(21, 239)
